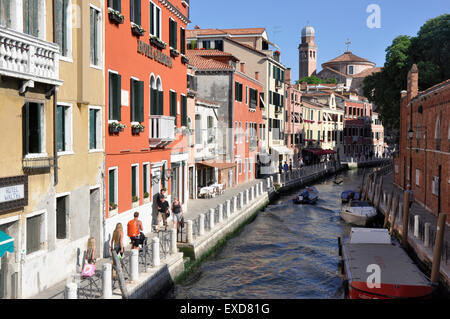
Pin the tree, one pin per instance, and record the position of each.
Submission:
(311, 80)
(430, 50)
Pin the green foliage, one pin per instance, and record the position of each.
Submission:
(312, 80)
(430, 50)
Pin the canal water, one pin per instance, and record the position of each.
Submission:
(288, 252)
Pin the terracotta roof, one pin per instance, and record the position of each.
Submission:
(348, 57)
(213, 53)
(368, 72)
(199, 61)
(242, 31)
(205, 101)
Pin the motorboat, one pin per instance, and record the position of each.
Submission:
(350, 194)
(358, 213)
(374, 267)
(309, 195)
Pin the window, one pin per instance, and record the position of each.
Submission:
(62, 26)
(156, 97)
(137, 101)
(5, 14)
(211, 130)
(173, 105)
(184, 116)
(96, 33)
(246, 95)
(135, 11)
(182, 41)
(31, 21)
(34, 231)
(218, 44)
(114, 4)
(351, 69)
(115, 96)
(206, 44)
(33, 128)
(155, 20)
(238, 91)
(198, 129)
(113, 188)
(435, 186)
(173, 29)
(62, 208)
(63, 128)
(95, 129)
(253, 98)
(417, 177)
(134, 182)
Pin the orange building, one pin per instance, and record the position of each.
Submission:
(146, 107)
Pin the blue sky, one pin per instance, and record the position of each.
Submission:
(334, 22)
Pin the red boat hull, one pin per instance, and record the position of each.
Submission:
(360, 290)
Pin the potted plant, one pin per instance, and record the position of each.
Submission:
(157, 42)
(116, 127)
(137, 29)
(184, 59)
(115, 16)
(137, 128)
(146, 195)
(112, 206)
(174, 52)
(135, 199)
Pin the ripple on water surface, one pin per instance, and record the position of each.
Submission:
(289, 251)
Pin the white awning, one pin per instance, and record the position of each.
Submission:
(282, 150)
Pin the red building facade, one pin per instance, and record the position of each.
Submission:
(146, 99)
(424, 158)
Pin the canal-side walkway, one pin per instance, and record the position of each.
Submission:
(150, 273)
(421, 229)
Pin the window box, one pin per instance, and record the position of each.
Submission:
(137, 128)
(116, 127)
(174, 52)
(137, 29)
(135, 200)
(115, 16)
(184, 59)
(158, 42)
(112, 206)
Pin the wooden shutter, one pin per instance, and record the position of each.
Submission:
(153, 101)
(173, 105)
(25, 128)
(144, 179)
(133, 181)
(92, 129)
(152, 18)
(140, 101)
(112, 187)
(161, 103)
(117, 96)
(183, 110)
(133, 96)
(175, 35)
(60, 128)
(182, 41)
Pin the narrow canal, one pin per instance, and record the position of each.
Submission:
(288, 252)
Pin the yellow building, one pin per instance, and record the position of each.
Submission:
(51, 168)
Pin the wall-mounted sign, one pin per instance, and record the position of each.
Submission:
(125, 98)
(13, 193)
(150, 52)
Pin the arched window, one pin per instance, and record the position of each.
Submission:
(437, 131)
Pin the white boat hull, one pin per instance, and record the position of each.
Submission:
(358, 220)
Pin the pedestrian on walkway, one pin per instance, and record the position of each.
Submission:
(411, 195)
(280, 168)
(161, 194)
(290, 165)
(286, 167)
(117, 240)
(163, 213)
(301, 162)
(177, 212)
(135, 231)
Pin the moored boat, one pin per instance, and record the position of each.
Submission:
(309, 195)
(358, 213)
(348, 195)
(376, 268)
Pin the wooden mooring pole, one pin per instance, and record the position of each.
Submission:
(438, 246)
(394, 213)
(388, 209)
(405, 218)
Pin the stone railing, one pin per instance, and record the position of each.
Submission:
(162, 130)
(28, 58)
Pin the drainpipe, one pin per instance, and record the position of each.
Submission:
(55, 147)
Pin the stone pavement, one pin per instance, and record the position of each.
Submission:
(199, 206)
(416, 209)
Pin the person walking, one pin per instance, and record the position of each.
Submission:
(163, 211)
(117, 240)
(290, 165)
(178, 215)
(411, 195)
(280, 168)
(286, 167)
(135, 229)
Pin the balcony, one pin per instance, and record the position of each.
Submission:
(162, 130)
(26, 57)
(37, 165)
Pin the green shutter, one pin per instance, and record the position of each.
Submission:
(173, 105)
(175, 35)
(60, 136)
(158, 17)
(144, 179)
(92, 129)
(140, 101)
(152, 18)
(25, 128)
(133, 181)
(111, 187)
(117, 81)
(133, 97)
(183, 110)
(182, 41)
(161, 103)
(154, 102)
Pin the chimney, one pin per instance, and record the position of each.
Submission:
(413, 82)
(257, 76)
(243, 67)
(287, 75)
(197, 27)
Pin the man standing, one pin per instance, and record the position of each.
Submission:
(411, 195)
(163, 210)
(286, 167)
(134, 231)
